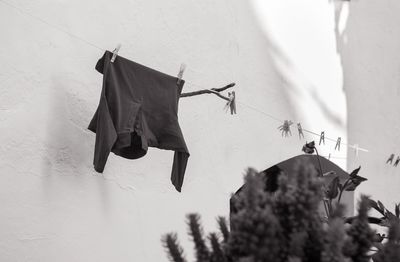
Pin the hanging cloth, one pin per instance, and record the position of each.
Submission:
(138, 109)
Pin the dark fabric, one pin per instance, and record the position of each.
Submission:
(138, 109)
(271, 175)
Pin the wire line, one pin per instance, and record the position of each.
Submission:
(56, 27)
(51, 25)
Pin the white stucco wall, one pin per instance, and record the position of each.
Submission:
(369, 47)
(54, 207)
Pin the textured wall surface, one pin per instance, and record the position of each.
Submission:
(54, 207)
(369, 46)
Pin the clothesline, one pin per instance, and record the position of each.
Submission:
(102, 49)
(51, 25)
(281, 121)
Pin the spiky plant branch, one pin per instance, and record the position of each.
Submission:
(196, 232)
(217, 254)
(360, 234)
(174, 250)
(223, 227)
(285, 227)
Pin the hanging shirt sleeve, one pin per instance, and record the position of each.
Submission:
(103, 125)
(178, 169)
(105, 136)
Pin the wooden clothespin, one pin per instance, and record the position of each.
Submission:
(300, 129)
(115, 53)
(329, 157)
(180, 74)
(390, 159)
(337, 146)
(232, 102)
(322, 138)
(397, 161)
(285, 128)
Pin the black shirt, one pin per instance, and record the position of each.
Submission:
(138, 109)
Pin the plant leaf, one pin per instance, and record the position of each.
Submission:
(355, 172)
(371, 220)
(390, 216)
(309, 148)
(375, 206)
(381, 207)
(355, 182)
(385, 222)
(333, 188)
(397, 210)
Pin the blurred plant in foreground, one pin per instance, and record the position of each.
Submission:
(286, 226)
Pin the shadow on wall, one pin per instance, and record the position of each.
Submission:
(275, 62)
(299, 90)
(369, 50)
(68, 144)
(69, 150)
(253, 47)
(293, 85)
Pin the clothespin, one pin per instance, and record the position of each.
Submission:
(337, 146)
(397, 161)
(390, 159)
(115, 53)
(232, 102)
(356, 149)
(329, 157)
(300, 129)
(285, 128)
(322, 138)
(181, 70)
